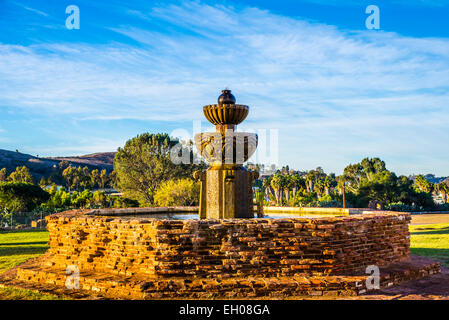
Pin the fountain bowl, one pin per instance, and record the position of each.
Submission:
(226, 148)
(221, 114)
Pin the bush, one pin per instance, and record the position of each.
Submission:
(20, 196)
(182, 192)
(122, 202)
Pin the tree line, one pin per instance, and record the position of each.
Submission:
(72, 177)
(366, 184)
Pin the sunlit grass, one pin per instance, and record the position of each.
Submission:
(431, 241)
(17, 247)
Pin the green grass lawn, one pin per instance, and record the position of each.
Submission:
(431, 241)
(16, 247)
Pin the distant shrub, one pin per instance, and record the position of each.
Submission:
(122, 202)
(182, 192)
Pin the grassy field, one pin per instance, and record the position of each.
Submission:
(431, 241)
(15, 247)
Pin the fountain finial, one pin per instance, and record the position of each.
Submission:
(226, 97)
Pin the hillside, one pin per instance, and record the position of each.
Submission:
(45, 166)
(101, 159)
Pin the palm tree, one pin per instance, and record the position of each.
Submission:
(288, 185)
(266, 183)
(310, 178)
(277, 184)
(296, 182)
(443, 189)
(329, 183)
(319, 187)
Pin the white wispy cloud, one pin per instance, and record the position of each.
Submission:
(36, 11)
(327, 90)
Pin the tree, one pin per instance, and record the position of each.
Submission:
(84, 180)
(266, 184)
(144, 163)
(381, 186)
(278, 183)
(329, 183)
(95, 178)
(288, 185)
(443, 189)
(70, 174)
(43, 182)
(296, 183)
(423, 184)
(182, 192)
(20, 197)
(365, 170)
(3, 175)
(64, 164)
(99, 199)
(22, 174)
(104, 179)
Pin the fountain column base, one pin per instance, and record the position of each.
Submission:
(226, 193)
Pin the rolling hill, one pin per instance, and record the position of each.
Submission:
(39, 166)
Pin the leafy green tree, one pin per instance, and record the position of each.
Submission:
(22, 174)
(354, 174)
(43, 182)
(122, 202)
(59, 200)
(64, 164)
(99, 199)
(81, 199)
(182, 192)
(3, 175)
(423, 184)
(95, 178)
(370, 180)
(83, 176)
(104, 179)
(144, 163)
(20, 197)
(111, 180)
(70, 177)
(381, 186)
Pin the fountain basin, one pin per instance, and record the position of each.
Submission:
(229, 247)
(136, 256)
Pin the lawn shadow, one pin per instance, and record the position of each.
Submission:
(441, 255)
(24, 243)
(422, 230)
(20, 250)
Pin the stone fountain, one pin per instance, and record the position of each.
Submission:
(135, 253)
(226, 187)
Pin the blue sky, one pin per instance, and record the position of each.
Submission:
(335, 91)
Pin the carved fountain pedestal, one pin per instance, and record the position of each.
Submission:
(226, 187)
